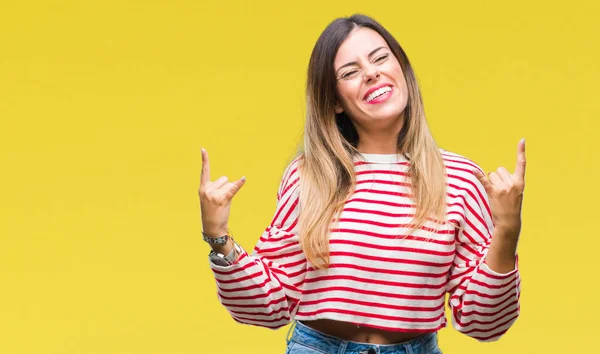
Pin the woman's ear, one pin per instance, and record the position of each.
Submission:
(338, 108)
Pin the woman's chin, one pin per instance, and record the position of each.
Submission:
(386, 116)
(392, 109)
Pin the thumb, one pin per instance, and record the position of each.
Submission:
(484, 180)
(234, 187)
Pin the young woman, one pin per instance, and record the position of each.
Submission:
(374, 223)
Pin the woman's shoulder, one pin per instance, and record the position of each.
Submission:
(454, 160)
(291, 175)
(461, 170)
(292, 170)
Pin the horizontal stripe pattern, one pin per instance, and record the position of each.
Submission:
(380, 276)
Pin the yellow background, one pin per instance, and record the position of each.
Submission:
(104, 106)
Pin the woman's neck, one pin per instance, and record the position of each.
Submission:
(383, 140)
(377, 146)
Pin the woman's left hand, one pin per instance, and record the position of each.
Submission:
(505, 193)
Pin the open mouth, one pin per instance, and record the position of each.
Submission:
(379, 95)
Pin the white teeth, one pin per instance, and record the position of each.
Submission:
(378, 93)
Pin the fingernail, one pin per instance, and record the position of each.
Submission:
(523, 141)
(202, 149)
(243, 178)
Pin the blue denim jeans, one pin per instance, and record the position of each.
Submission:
(306, 340)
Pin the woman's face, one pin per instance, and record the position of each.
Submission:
(370, 84)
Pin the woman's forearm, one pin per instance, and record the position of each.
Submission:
(502, 254)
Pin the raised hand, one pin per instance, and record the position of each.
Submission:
(215, 199)
(505, 193)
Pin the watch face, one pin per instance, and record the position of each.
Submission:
(218, 260)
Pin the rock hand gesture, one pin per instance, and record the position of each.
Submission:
(215, 199)
(505, 193)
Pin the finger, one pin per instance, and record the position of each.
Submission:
(231, 189)
(521, 161)
(505, 176)
(495, 179)
(205, 174)
(483, 179)
(213, 187)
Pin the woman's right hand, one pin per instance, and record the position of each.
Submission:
(215, 200)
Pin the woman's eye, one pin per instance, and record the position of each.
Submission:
(381, 58)
(349, 74)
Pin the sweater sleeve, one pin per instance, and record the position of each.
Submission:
(484, 303)
(263, 288)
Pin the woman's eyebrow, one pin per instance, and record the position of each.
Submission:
(356, 63)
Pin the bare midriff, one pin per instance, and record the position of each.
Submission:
(351, 332)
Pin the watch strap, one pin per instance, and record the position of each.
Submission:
(232, 256)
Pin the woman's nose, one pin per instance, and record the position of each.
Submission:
(371, 72)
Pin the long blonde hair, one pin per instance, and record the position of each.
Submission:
(327, 174)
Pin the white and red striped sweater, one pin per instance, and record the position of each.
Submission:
(378, 276)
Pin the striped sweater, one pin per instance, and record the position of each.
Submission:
(378, 275)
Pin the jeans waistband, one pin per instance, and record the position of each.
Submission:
(307, 336)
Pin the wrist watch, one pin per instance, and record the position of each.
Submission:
(220, 258)
(223, 260)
